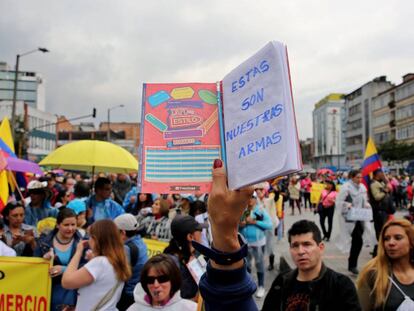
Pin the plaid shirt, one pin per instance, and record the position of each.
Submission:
(159, 227)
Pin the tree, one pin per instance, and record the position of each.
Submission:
(396, 151)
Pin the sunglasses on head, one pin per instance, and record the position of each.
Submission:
(160, 278)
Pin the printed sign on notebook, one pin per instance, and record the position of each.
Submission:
(250, 124)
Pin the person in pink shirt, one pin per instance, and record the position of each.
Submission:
(326, 208)
(306, 184)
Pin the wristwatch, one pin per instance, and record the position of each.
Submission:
(220, 257)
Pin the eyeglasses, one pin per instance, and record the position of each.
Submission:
(160, 278)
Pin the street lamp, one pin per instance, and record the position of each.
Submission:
(108, 132)
(16, 73)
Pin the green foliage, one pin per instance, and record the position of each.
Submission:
(396, 151)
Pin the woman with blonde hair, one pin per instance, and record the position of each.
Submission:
(387, 281)
(100, 281)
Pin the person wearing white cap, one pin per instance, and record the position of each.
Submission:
(136, 252)
(39, 206)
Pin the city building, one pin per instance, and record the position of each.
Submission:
(358, 105)
(35, 130)
(328, 136)
(124, 134)
(131, 132)
(393, 113)
(30, 87)
(307, 149)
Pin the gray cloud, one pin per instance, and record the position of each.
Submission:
(102, 51)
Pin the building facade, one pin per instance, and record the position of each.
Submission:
(307, 149)
(30, 87)
(124, 134)
(393, 113)
(132, 134)
(358, 111)
(35, 130)
(328, 125)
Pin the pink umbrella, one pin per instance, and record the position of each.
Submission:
(324, 171)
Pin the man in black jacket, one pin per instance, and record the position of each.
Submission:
(312, 285)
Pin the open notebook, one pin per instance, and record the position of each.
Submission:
(247, 120)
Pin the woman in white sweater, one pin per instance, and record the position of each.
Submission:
(160, 287)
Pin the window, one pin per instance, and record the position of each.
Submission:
(381, 120)
(357, 124)
(405, 132)
(355, 109)
(405, 112)
(355, 140)
(381, 138)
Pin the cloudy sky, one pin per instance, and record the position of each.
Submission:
(102, 51)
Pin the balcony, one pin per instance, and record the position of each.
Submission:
(391, 104)
(392, 123)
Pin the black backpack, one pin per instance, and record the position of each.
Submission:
(134, 253)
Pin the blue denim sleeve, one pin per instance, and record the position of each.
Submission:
(227, 290)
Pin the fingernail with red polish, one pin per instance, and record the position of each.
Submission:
(217, 163)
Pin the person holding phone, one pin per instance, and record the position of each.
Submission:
(100, 281)
(59, 246)
(19, 236)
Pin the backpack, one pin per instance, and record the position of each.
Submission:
(134, 253)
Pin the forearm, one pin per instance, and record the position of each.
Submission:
(73, 264)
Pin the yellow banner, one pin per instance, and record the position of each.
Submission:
(24, 284)
(155, 247)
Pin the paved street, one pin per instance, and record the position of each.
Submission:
(333, 258)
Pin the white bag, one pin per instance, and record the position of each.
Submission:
(359, 214)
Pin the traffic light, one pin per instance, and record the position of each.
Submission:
(94, 113)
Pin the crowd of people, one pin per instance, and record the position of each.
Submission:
(100, 260)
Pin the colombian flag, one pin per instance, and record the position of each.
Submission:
(6, 150)
(371, 162)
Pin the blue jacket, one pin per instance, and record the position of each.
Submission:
(254, 233)
(131, 193)
(227, 290)
(141, 260)
(107, 209)
(34, 214)
(60, 295)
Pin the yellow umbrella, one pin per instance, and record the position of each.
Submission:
(92, 156)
